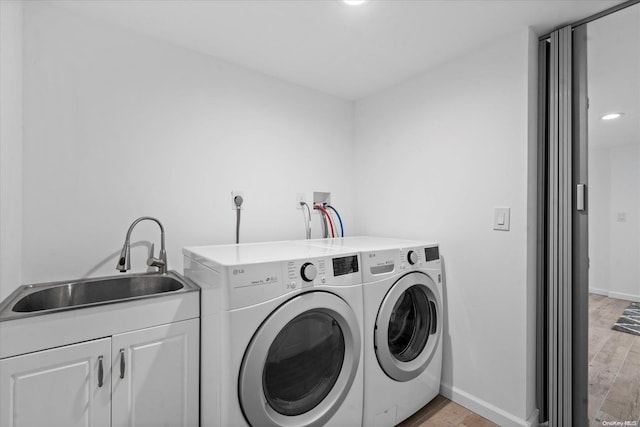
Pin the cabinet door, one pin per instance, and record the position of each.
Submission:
(156, 376)
(67, 386)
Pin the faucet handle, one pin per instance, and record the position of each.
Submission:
(156, 262)
(151, 260)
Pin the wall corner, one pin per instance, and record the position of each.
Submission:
(11, 82)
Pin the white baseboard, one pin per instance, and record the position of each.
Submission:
(486, 409)
(533, 419)
(628, 297)
(617, 295)
(599, 291)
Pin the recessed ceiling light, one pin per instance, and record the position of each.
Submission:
(354, 2)
(611, 116)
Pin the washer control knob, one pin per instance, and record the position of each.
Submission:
(412, 257)
(308, 272)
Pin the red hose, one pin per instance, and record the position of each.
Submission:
(324, 211)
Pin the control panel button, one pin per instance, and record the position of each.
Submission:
(412, 257)
(308, 272)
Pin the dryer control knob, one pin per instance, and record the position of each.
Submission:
(308, 272)
(412, 257)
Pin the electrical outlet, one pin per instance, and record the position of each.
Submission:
(321, 198)
(233, 199)
(300, 198)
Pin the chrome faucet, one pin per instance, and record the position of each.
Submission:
(124, 261)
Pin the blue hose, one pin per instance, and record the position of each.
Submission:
(339, 219)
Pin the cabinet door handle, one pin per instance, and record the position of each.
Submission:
(122, 363)
(100, 371)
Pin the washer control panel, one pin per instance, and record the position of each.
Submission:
(340, 270)
(412, 257)
(303, 273)
(432, 253)
(308, 272)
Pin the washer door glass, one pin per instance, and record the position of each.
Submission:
(303, 363)
(409, 324)
(408, 329)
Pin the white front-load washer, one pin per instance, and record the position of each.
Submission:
(281, 334)
(402, 291)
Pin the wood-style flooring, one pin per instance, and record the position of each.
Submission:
(443, 412)
(614, 365)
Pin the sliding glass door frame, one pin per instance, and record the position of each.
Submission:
(563, 239)
(580, 226)
(562, 326)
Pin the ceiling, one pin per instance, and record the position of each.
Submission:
(346, 51)
(613, 74)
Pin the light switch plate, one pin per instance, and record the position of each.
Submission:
(501, 219)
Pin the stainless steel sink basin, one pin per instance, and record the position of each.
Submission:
(30, 300)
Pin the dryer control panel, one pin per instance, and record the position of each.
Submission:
(383, 263)
(419, 257)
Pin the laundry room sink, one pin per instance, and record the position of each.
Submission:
(29, 300)
(50, 315)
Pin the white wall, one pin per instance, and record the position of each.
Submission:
(625, 225)
(599, 219)
(10, 145)
(434, 156)
(614, 221)
(119, 125)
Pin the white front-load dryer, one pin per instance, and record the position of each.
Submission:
(281, 335)
(402, 297)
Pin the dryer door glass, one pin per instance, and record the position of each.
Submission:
(409, 324)
(303, 363)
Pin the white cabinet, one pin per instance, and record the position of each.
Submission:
(148, 377)
(68, 386)
(155, 374)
